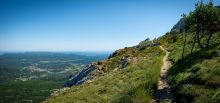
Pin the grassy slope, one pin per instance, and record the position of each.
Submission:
(196, 77)
(134, 83)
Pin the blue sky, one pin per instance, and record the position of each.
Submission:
(85, 25)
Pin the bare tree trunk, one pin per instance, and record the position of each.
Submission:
(184, 44)
(198, 40)
(208, 40)
(194, 42)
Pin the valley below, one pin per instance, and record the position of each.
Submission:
(33, 76)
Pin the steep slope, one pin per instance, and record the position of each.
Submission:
(129, 75)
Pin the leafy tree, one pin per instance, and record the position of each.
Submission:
(204, 20)
(212, 23)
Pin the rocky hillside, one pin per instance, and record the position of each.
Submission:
(128, 75)
(118, 60)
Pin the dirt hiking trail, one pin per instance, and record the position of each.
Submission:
(163, 93)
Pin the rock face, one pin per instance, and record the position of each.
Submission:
(179, 26)
(114, 54)
(146, 43)
(125, 61)
(88, 73)
(82, 76)
(96, 69)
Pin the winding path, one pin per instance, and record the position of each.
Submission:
(163, 93)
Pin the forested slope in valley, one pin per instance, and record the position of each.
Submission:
(33, 76)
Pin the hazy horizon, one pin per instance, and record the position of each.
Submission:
(84, 25)
(68, 52)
